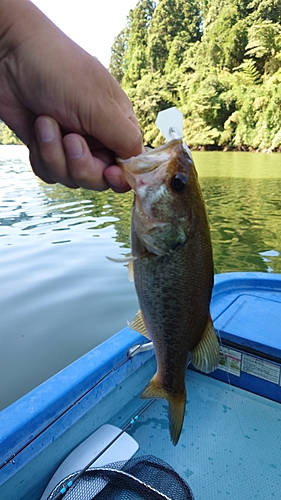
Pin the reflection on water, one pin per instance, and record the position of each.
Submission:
(245, 221)
(60, 296)
(242, 192)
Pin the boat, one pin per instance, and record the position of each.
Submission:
(231, 440)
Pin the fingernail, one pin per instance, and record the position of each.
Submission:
(74, 149)
(45, 129)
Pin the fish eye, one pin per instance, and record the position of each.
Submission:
(178, 182)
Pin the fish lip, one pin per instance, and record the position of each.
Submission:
(155, 157)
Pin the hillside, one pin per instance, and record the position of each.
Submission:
(218, 61)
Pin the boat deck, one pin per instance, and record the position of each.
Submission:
(230, 445)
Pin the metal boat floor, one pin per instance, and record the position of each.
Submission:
(230, 445)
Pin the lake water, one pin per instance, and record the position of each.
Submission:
(60, 296)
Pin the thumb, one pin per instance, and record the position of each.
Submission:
(112, 119)
(127, 139)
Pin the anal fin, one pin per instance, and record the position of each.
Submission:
(138, 325)
(205, 356)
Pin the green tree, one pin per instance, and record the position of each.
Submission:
(135, 61)
(266, 10)
(225, 35)
(151, 95)
(178, 47)
(116, 65)
(264, 45)
(219, 61)
(172, 19)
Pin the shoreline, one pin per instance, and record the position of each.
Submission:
(236, 149)
(206, 147)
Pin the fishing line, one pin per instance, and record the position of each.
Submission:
(227, 368)
(220, 339)
(131, 422)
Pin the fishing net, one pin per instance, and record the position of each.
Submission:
(146, 478)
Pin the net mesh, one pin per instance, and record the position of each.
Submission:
(146, 478)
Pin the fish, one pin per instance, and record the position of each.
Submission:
(172, 269)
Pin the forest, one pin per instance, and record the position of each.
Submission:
(218, 61)
(7, 136)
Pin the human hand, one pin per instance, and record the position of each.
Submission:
(73, 160)
(62, 103)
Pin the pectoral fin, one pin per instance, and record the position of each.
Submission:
(138, 325)
(205, 356)
(126, 260)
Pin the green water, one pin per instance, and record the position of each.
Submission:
(242, 193)
(60, 296)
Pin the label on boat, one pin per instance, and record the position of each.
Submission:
(261, 369)
(230, 361)
(234, 362)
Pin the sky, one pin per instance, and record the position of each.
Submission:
(92, 24)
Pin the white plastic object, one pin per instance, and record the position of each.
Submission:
(170, 123)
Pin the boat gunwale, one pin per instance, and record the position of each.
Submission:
(229, 281)
(27, 418)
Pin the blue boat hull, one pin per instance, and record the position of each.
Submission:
(246, 310)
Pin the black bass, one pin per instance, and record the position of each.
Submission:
(173, 270)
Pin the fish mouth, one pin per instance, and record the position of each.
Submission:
(151, 159)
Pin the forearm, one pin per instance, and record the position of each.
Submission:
(30, 46)
(18, 18)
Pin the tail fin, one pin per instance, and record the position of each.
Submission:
(176, 406)
(176, 416)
